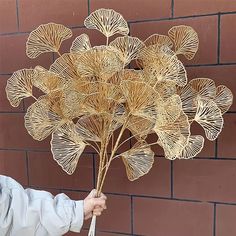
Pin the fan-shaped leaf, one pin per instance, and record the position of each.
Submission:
(210, 118)
(185, 40)
(67, 147)
(80, 44)
(41, 119)
(107, 21)
(194, 146)
(160, 40)
(101, 62)
(129, 48)
(19, 86)
(224, 98)
(46, 38)
(138, 161)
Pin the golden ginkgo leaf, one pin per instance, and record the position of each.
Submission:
(67, 147)
(139, 97)
(139, 126)
(138, 161)
(194, 147)
(47, 81)
(173, 136)
(159, 39)
(107, 21)
(46, 38)
(203, 87)
(188, 98)
(19, 86)
(128, 46)
(101, 62)
(185, 40)
(159, 64)
(96, 127)
(166, 89)
(65, 66)
(209, 116)
(81, 43)
(224, 98)
(41, 120)
(168, 110)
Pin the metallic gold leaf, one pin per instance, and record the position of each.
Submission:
(224, 98)
(19, 86)
(101, 62)
(41, 119)
(139, 97)
(194, 147)
(188, 98)
(47, 81)
(67, 147)
(203, 87)
(209, 116)
(173, 136)
(46, 38)
(128, 46)
(185, 40)
(107, 21)
(80, 44)
(138, 161)
(160, 65)
(159, 39)
(139, 126)
(65, 66)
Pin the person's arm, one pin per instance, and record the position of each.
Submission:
(33, 212)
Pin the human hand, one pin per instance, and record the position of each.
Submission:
(94, 205)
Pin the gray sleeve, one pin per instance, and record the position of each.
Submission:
(33, 212)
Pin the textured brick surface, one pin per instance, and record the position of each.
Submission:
(164, 217)
(198, 7)
(205, 180)
(225, 220)
(67, 12)
(13, 164)
(228, 37)
(226, 145)
(8, 14)
(155, 183)
(140, 10)
(44, 172)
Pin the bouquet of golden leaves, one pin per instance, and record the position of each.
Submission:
(90, 94)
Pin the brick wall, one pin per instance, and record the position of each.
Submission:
(181, 198)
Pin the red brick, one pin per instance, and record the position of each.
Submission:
(4, 103)
(13, 164)
(13, 56)
(155, 183)
(66, 12)
(205, 180)
(226, 144)
(199, 7)
(206, 27)
(225, 220)
(14, 135)
(44, 172)
(137, 10)
(166, 217)
(228, 38)
(117, 217)
(222, 75)
(8, 17)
